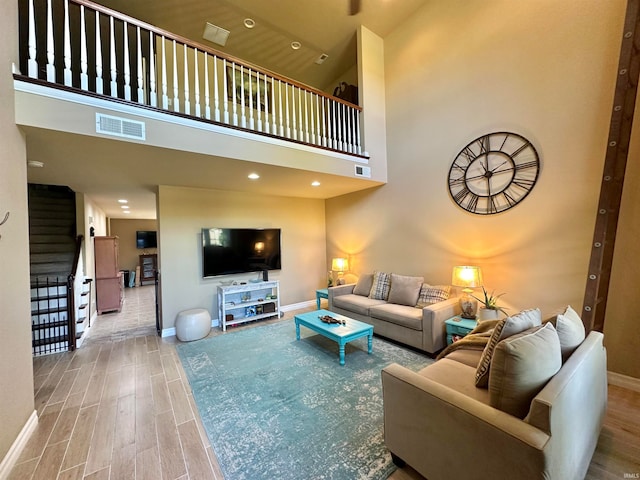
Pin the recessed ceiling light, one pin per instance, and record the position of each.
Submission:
(315, 184)
(124, 207)
(254, 176)
(296, 45)
(122, 200)
(249, 22)
(126, 211)
(35, 164)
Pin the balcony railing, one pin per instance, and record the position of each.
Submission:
(87, 47)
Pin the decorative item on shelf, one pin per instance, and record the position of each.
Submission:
(468, 277)
(340, 265)
(489, 309)
(330, 279)
(250, 311)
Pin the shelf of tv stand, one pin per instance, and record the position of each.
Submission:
(230, 302)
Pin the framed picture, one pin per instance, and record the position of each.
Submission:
(242, 85)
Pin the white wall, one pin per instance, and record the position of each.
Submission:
(183, 212)
(460, 69)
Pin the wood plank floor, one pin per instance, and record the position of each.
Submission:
(120, 407)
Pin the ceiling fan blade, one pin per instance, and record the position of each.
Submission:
(354, 7)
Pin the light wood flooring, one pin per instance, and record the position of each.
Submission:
(120, 407)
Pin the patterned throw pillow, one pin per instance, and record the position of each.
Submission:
(507, 327)
(430, 294)
(381, 286)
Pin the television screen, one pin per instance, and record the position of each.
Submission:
(238, 250)
(146, 239)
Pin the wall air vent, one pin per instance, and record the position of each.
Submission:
(120, 127)
(362, 171)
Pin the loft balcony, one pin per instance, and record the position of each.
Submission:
(88, 61)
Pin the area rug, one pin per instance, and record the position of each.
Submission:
(277, 408)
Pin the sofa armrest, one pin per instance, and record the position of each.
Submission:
(339, 290)
(434, 330)
(443, 433)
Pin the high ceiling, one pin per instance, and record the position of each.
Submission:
(322, 26)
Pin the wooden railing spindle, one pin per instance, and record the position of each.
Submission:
(99, 80)
(187, 100)
(67, 46)
(165, 95)
(153, 96)
(51, 69)
(176, 99)
(112, 59)
(207, 108)
(127, 67)
(139, 72)
(84, 78)
(32, 65)
(196, 88)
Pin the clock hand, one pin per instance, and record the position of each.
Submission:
(494, 170)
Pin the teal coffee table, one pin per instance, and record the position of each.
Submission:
(342, 334)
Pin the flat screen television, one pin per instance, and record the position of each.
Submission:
(146, 239)
(239, 250)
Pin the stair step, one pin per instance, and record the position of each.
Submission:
(56, 257)
(48, 297)
(45, 326)
(49, 311)
(55, 239)
(58, 229)
(48, 281)
(44, 247)
(48, 341)
(59, 269)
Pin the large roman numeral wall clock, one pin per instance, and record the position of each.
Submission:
(494, 173)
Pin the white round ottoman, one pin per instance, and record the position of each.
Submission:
(193, 324)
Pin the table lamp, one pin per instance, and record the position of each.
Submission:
(467, 277)
(340, 265)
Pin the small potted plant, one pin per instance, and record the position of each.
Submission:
(489, 309)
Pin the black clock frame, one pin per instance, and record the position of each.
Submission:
(515, 156)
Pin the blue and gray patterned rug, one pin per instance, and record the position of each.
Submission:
(277, 408)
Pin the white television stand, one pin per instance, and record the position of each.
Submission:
(247, 303)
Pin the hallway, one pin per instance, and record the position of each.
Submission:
(111, 407)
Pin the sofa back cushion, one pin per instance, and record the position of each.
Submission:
(521, 366)
(430, 294)
(363, 286)
(505, 328)
(380, 286)
(404, 290)
(570, 330)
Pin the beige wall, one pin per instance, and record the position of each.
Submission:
(128, 254)
(16, 371)
(183, 212)
(460, 69)
(620, 328)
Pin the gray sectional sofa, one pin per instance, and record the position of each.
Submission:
(409, 311)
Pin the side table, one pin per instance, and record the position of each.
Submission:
(321, 293)
(458, 327)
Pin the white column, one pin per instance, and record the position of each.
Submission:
(196, 93)
(112, 59)
(99, 80)
(84, 78)
(32, 65)
(140, 73)
(153, 98)
(127, 66)
(51, 69)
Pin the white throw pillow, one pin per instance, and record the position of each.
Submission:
(570, 330)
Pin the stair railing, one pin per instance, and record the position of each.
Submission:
(84, 46)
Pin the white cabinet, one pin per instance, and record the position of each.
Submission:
(249, 302)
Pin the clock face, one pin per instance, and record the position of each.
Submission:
(494, 173)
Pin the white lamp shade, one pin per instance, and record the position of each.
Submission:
(339, 265)
(466, 276)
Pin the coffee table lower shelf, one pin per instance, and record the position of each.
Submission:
(341, 334)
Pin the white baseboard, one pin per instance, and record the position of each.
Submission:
(623, 381)
(10, 459)
(171, 332)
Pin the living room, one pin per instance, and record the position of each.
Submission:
(455, 71)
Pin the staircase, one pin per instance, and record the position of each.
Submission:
(56, 286)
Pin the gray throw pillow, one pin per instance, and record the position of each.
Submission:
(363, 287)
(521, 366)
(404, 290)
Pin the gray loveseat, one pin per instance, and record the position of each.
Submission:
(539, 418)
(395, 314)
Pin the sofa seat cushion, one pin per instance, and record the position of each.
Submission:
(356, 303)
(402, 315)
(457, 376)
(466, 356)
